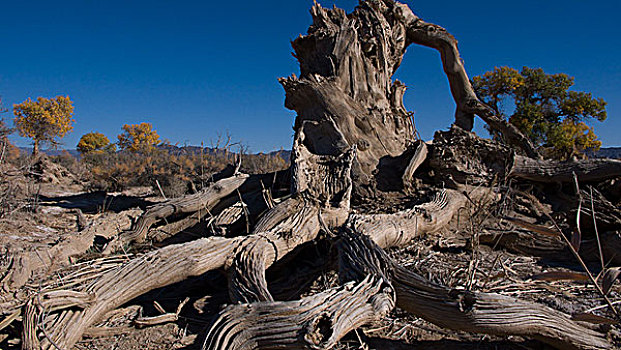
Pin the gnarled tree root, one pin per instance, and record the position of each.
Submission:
(257, 252)
(320, 320)
(490, 313)
(53, 257)
(316, 322)
(115, 287)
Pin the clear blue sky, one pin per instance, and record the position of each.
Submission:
(196, 68)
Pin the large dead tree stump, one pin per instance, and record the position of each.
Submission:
(345, 86)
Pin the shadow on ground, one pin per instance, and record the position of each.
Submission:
(387, 344)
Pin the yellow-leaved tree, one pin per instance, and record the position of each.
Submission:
(44, 120)
(569, 139)
(138, 138)
(543, 108)
(93, 142)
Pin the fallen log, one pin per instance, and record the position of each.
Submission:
(549, 171)
(204, 200)
(490, 313)
(486, 313)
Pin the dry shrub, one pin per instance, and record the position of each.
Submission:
(66, 160)
(263, 163)
(176, 170)
(18, 191)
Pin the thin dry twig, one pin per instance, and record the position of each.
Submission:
(160, 188)
(576, 237)
(599, 243)
(601, 307)
(583, 265)
(164, 318)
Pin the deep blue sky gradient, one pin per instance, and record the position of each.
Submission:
(198, 68)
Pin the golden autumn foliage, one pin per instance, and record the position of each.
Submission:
(570, 138)
(138, 137)
(541, 106)
(94, 142)
(44, 120)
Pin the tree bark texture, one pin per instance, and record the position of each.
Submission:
(204, 200)
(554, 171)
(345, 86)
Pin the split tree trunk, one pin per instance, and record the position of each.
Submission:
(346, 90)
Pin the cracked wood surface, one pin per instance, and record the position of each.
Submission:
(321, 198)
(204, 200)
(554, 171)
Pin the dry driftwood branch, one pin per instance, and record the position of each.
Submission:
(491, 314)
(166, 266)
(96, 332)
(554, 171)
(315, 322)
(51, 258)
(398, 229)
(165, 317)
(64, 299)
(524, 242)
(204, 200)
(483, 312)
(30, 341)
(420, 155)
(9, 319)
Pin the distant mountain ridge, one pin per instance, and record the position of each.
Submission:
(52, 152)
(284, 154)
(604, 152)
